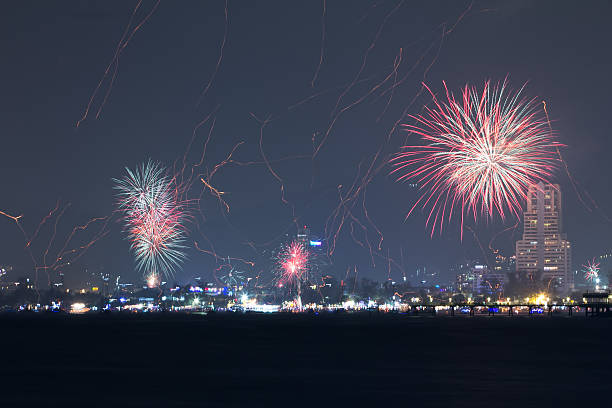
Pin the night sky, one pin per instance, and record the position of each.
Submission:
(54, 54)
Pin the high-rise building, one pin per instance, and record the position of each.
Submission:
(544, 248)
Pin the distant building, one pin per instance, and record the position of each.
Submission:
(8, 286)
(4, 269)
(490, 282)
(504, 264)
(544, 248)
(424, 277)
(58, 280)
(106, 288)
(480, 280)
(303, 235)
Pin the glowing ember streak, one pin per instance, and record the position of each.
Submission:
(480, 153)
(154, 217)
(591, 270)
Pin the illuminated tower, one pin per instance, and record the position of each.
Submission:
(544, 247)
(303, 235)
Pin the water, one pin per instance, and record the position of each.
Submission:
(172, 360)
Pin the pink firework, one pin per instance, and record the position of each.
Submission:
(293, 264)
(479, 154)
(591, 270)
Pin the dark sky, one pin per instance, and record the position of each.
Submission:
(54, 54)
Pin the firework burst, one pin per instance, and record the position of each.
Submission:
(233, 278)
(591, 270)
(293, 267)
(154, 217)
(479, 155)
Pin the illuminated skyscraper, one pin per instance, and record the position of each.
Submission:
(544, 247)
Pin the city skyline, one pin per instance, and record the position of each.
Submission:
(80, 162)
(344, 203)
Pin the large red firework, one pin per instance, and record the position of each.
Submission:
(479, 154)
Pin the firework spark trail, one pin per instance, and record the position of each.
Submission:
(263, 163)
(206, 179)
(218, 257)
(372, 223)
(346, 211)
(324, 92)
(226, 161)
(43, 222)
(440, 42)
(355, 220)
(346, 204)
(355, 192)
(212, 250)
(217, 167)
(573, 181)
(388, 265)
(185, 174)
(263, 124)
(123, 42)
(397, 63)
(481, 153)
(366, 54)
(188, 149)
(154, 217)
(372, 171)
(60, 259)
(355, 239)
(110, 64)
(341, 208)
(402, 263)
(183, 187)
(484, 254)
(512, 227)
(367, 13)
(25, 235)
(316, 74)
(101, 233)
(12, 217)
(53, 235)
(217, 193)
(220, 59)
(120, 50)
(461, 16)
